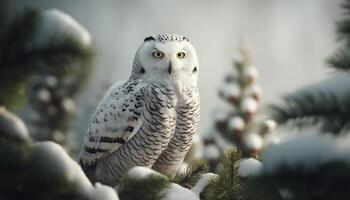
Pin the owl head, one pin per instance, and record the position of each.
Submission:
(166, 58)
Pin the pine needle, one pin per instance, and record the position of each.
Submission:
(192, 174)
(228, 186)
(340, 60)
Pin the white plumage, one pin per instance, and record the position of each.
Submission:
(150, 119)
(109, 129)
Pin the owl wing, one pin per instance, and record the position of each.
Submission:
(116, 120)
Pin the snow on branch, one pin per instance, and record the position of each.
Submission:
(248, 167)
(49, 35)
(45, 171)
(54, 23)
(326, 104)
(12, 128)
(37, 42)
(40, 170)
(203, 182)
(56, 167)
(139, 172)
(308, 167)
(150, 185)
(306, 152)
(175, 192)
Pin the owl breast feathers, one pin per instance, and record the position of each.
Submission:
(134, 125)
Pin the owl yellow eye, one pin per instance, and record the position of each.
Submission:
(180, 55)
(158, 54)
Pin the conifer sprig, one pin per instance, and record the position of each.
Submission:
(341, 59)
(228, 185)
(315, 108)
(192, 174)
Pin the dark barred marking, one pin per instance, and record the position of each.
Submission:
(107, 140)
(186, 125)
(95, 150)
(130, 128)
(185, 38)
(149, 38)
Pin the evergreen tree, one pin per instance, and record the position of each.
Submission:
(325, 105)
(238, 125)
(27, 49)
(40, 170)
(314, 166)
(47, 54)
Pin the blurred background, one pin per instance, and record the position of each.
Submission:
(273, 80)
(289, 40)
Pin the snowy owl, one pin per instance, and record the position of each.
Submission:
(150, 119)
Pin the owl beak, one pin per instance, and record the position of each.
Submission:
(170, 67)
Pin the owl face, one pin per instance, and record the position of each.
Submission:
(164, 58)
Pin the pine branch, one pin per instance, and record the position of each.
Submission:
(192, 174)
(18, 49)
(14, 35)
(228, 186)
(340, 60)
(21, 57)
(346, 6)
(17, 33)
(40, 170)
(151, 188)
(343, 27)
(322, 107)
(328, 181)
(310, 108)
(58, 56)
